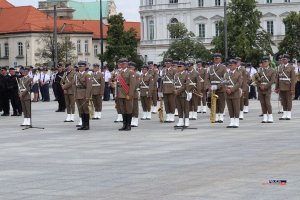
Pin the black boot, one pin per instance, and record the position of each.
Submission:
(124, 122)
(87, 122)
(83, 116)
(128, 124)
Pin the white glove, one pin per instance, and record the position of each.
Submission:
(160, 95)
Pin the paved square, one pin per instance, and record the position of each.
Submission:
(151, 162)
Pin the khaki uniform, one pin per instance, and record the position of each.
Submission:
(24, 93)
(113, 82)
(203, 85)
(83, 92)
(180, 87)
(98, 84)
(192, 83)
(146, 86)
(247, 89)
(215, 75)
(167, 88)
(135, 111)
(286, 81)
(154, 74)
(265, 78)
(233, 82)
(244, 86)
(69, 90)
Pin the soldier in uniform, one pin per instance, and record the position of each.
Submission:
(83, 94)
(286, 86)
(59, 91)
(67, 84)
(146, 84)
(265, 78)
(203, 86)
(135, 111)
(13, 92)
(297, 87)
(4, 97)
(181, 95)
(215, 76)
(192, 84)
(126, 87)
(154, 73)
(233, 83)
(24, 94)
(98, 87)
(167, 90)
(113, 81)
(244, 86)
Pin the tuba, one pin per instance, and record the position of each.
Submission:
(213, 107)
(161, 111)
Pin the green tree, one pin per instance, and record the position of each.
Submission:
(246, 38)
(185, 46)
(120, 43)
(291, 42)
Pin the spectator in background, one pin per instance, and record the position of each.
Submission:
(107, 77)
(44, 85)
(35, 85)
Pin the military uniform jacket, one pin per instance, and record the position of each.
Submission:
(233, 81)
(203, 80)
(113, 80)
(130, 80)
(146, 85)
(265, 77)
(68, 82)
(98, 83)
(286, 78)
(83, 84)
(215, 75)
(167, 81)
(25, 87)
(137, 85)
(154, 74)
(192, 81)
(243, 71)
(180, 83)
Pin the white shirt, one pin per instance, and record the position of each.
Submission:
(36, 78)
(107, 76)
(297, 69)
(45, 78)
(251, 71)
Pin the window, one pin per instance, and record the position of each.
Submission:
(151, 30)
(269, 1)
(287, 1)
(6, 50)
(200, 3)
(149, 2)
(95, 50)
(173, 1)
(20, 49)
(270, 27)
(217, 24)
(201, 31)
(78, 46)
(174, 21)
(86, 46)
(217, 2)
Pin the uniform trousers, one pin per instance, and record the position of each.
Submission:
(183, 107)
(26, 104)
(297, 90)
(70, 103)
(15, 102)
(286, 100)
(83, 106)
(246, 98)
(193, 103)
(125, 106)
(203, 99)
(154, 97)
(146, 103)
(169, 101)
(233, 106)
(135, 109)
(220, 102)
(97, 101)
(265, 102)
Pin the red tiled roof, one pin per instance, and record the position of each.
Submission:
(5, 4)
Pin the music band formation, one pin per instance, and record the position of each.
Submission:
(183, 89)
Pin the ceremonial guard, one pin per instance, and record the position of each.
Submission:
(135, 111)
(285, 86)
(192, 85)
(67, 84)
(297, 87)
(233, 83)
(265, 78)
(181, 95)
(83, 94)
(24, 85)
(14, 92)
(113, 82)
(4, 96)
(215, 76)
(167, 90)
(244, 87)
(126, 87)
(146, 84)
(203, 86)
(154, 73)
(98, 86)
(59, 90)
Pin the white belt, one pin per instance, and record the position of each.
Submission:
(144, 87)
(284, 79)
(22, 90)
(230, 86)
(216, 82)
(264, 83)
(167, 82)
(202, 81)
(96, 85)
(177, 87)
(193, 84)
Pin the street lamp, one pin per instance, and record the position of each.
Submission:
(225, 31)
(101, 34)
(55, 38)
(26, 48)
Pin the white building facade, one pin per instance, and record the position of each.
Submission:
(201, 17)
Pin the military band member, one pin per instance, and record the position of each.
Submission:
(265, 78)
(98, 85)
(297, 87)
(203, 86)
(126, 87)
(233, 83)
(181, 95)
(24, 85)
(83, 94)
(286, 86)
(135, 111)
(154, 73)
(192, 83)
(146, 84)
(244, 86)
(167, 90)
(113, 80)
(67, 84)
(216, 73)
(175, 67)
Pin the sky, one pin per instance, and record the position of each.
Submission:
(130, 10)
